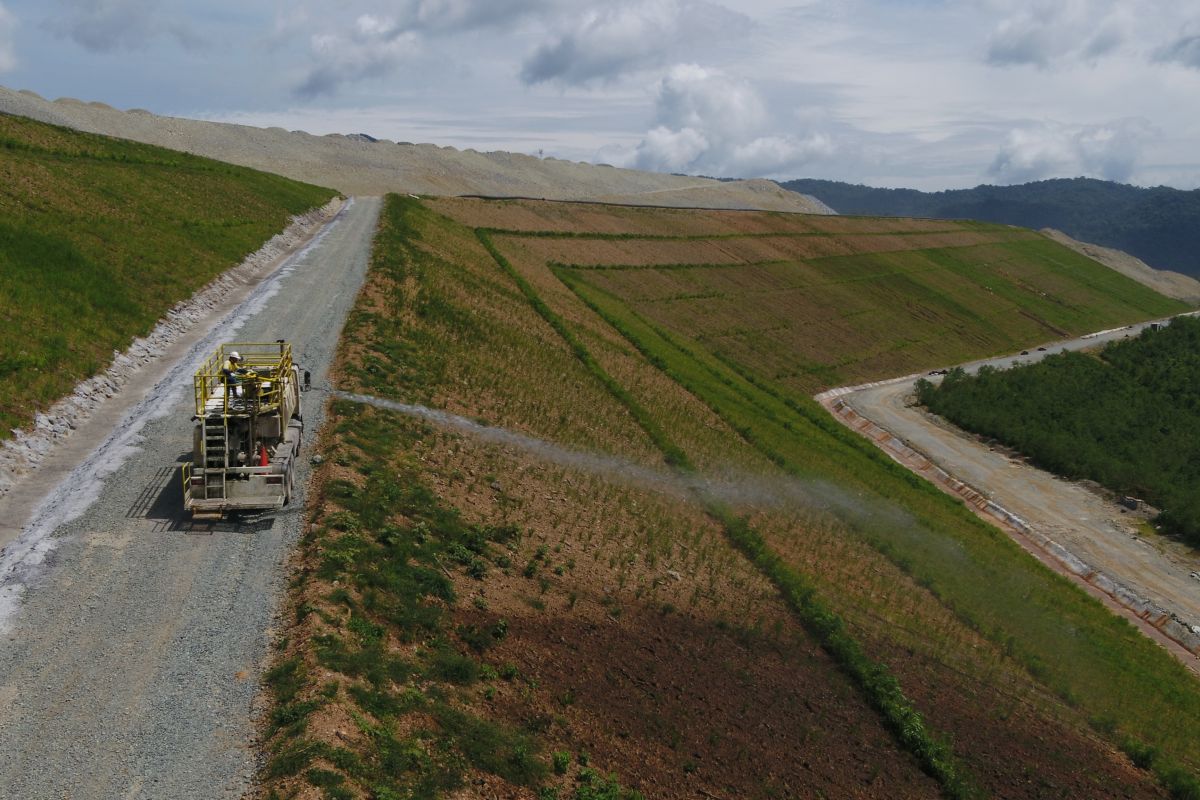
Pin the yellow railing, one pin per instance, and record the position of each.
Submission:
(260, 376)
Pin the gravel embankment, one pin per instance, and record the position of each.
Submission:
(130, 667)
(357, 166)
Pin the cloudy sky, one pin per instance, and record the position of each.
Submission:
(931, 94)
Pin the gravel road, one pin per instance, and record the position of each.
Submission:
(1090, 528)
(131, 667)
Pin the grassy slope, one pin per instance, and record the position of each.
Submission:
(1096, 662)
(419, 684)
(1102, 666)
(1155, 224)
(843, 319)
(441, 322)
(106, 235)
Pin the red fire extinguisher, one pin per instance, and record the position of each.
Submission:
(262, 455)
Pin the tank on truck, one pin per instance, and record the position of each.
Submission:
(248, 428)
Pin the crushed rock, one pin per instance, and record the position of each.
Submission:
(29, 446)
(355, 165)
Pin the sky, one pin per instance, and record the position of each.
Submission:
(928, 94)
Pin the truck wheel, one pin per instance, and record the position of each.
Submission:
(289, 482)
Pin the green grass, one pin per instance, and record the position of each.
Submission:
(878, 687)
(1094, 660)
(99, 238)
(810, 323)
(394, 589)
(389, 545)
(460, 330)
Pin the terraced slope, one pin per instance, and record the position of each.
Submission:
(679, 572)
(811, 302)
(100, 237)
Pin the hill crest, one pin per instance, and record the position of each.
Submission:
(354, 165)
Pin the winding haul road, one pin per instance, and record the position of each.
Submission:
(131, 646)
(1134, 571)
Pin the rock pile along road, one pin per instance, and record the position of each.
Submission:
(129, 667)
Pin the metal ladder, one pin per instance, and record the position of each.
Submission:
(216, 456)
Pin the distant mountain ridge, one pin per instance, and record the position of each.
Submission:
(1159, 225)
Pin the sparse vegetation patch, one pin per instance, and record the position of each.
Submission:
(857, 637)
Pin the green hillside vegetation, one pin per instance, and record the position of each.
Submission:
(99, 237)
(811, 302)
(1128, 418)
(602, 622)
(1158, 225)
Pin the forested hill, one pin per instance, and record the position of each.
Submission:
(1161, 226)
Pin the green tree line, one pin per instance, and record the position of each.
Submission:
(1127, 418)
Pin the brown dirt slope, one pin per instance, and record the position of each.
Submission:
(616, 625)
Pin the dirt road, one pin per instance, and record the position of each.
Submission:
(1079, 531)
(129, 668)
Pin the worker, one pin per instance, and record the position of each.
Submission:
(232, 364)
(231, 371)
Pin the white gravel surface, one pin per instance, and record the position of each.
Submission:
(130, 667)
(356, 166)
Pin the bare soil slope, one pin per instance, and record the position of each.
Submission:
(354, 165)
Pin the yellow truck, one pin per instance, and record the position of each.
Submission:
(248, 427)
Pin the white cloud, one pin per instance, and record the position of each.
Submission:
(1041, 32)
(376, 44)
(1110, 151)
(767, 155)
(1183, 50)
(8, 27)
(450, 16)
(877, 91)
(693, 96)
(608, 40)
(667, 150)
(709, 122)
(109, 25)
(372, 48)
